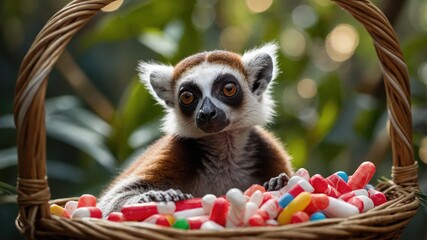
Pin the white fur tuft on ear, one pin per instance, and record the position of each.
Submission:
(261, 66)
(158, 80)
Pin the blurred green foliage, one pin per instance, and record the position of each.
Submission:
(331, 114)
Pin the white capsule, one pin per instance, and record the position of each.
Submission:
(251, 209)
(257, 198)
(166, 208)
(340, 209)
(195, 212)
(86, 212)
(207, 202)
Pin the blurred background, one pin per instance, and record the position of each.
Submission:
(331, 111)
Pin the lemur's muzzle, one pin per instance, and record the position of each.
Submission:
(210, 118)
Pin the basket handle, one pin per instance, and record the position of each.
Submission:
(396, 81)
(33, 190)
(29, 111)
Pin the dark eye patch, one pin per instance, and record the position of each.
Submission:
(188, 110)
(219, 83)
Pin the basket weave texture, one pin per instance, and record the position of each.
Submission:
(34, 221)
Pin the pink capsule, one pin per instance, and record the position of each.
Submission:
(338, 183)
(141, 211)
(377, 197)
(271, 207)
(362, 175)
(219, 211)
(116, 217)
(300, 217)
(160, 220)
(86, 212)
(340, 209)
(188, 204)
(253, 188)
(363, 203)
(70, 206)
(358, 192)
(256, 221)
(237, 207)
(302, 172)
(86, 200)
(318, 202)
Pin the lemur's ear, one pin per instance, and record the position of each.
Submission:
(158, 80)
(261, 66)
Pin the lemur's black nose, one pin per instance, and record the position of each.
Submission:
(208, 111)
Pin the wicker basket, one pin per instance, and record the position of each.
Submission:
(35, 221)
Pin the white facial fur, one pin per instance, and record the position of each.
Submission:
(257, 106)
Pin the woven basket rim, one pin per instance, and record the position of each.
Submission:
(33, 189)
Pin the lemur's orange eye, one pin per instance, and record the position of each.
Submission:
(186, 98)
(229, 89)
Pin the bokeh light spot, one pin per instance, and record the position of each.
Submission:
(307, 88)
(258, 6)
(341, 42)
(304, 16)
(293, 43)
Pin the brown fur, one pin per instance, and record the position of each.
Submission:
(220, 57)
(174, 162)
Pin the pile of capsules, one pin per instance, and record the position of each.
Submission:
(303, 199)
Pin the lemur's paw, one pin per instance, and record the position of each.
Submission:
(276, 183)
(170, 195)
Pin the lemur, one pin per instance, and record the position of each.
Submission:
(216, 103)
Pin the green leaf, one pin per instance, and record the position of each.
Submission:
(135, 18)
(6, 189)
(136, 109)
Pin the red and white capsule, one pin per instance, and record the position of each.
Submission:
(338, 183)
(358, 192)
(363, 203)
(188, 204)
(376, 196)
(219, 211)
(340, 209)
(142, 211)
(86, 212)
(116, 217)
(362, 175)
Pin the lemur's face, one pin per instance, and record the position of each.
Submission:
(210, 97)
(213, 92)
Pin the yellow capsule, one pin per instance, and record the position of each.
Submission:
(298, 204)
(170, 219)
(58, 211)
